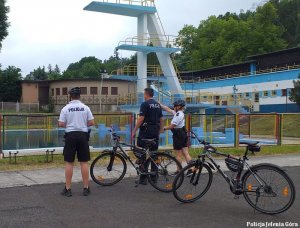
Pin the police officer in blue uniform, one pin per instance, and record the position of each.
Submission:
(149, 123)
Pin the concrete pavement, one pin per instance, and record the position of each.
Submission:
(124, 206)
(56, 175)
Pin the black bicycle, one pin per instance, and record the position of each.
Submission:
(110, 166)
(266, 187)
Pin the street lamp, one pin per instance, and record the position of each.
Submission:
(234, 93)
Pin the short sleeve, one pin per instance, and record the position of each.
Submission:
(89, 114)
(62, 116)
(178, 117)
(143, 109)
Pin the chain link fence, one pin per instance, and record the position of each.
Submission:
(16, 107)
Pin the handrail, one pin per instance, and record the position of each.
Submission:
(155, 40)
(227, 76)
(133, 2)
(131, 70)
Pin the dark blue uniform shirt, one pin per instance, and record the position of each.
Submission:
(152, 112)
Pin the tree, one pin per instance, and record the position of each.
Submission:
(289, 18)
(3, 21)
(230, 38)
(295, 92)
(40, 74)
(87, 67)
(10, 86)
(53, 74)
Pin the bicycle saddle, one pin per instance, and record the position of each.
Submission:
(252, 146)
(249, 143)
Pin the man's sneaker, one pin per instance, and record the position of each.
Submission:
(66, 192)
(175, 173)
(154, 178)
(143, 181)
(86, 191)
(189, 173)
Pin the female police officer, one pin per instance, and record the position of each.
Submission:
(180, 138)
(76, 118)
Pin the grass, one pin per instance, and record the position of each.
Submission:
(38, 161)
(265, 150)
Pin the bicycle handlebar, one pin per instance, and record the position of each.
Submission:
(203, 142)
(117, 138)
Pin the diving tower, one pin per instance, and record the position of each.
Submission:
(150, 39)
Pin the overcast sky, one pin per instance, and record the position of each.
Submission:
(60, 32)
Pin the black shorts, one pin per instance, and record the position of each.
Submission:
(76, 142)
(180, 138)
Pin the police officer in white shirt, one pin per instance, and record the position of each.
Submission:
(76, 118)
(177, 126)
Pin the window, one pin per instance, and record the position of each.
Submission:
(104, 91)
(52, 92)
(273, 93)
(57, 91)
(283, 91)
(114, 90)
(266, 93)
(256, 97)
(94, 90)
(64, 91)
(83, 90)
(247, 95)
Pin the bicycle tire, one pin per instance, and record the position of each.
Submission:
(100, 179)
(287, 190)
(164, 175)
(180, 181)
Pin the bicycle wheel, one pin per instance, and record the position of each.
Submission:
(190, 186)
(162, 168)
(108, 168)
(268, 189)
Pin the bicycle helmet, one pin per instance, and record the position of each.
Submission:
(179, 103)
(75, 91)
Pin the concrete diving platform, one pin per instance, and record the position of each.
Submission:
(117, 8)
(148, 49)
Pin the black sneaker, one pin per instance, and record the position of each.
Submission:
(175, 173)
(154, 178)
(66, 192)
(189, 173)
(86, 191)
(143, 181)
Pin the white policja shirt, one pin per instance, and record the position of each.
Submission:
(178, 119)
(76, 115)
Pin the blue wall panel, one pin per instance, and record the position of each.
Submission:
(252, 79)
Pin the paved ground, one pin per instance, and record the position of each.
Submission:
(49, 176)
(123, 205)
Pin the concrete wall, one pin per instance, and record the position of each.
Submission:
(30, 92)
(124, 87)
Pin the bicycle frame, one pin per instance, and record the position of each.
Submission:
(208, 150)
(118, 145)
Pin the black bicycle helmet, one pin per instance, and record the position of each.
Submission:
(75, 91)
(179, 103)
